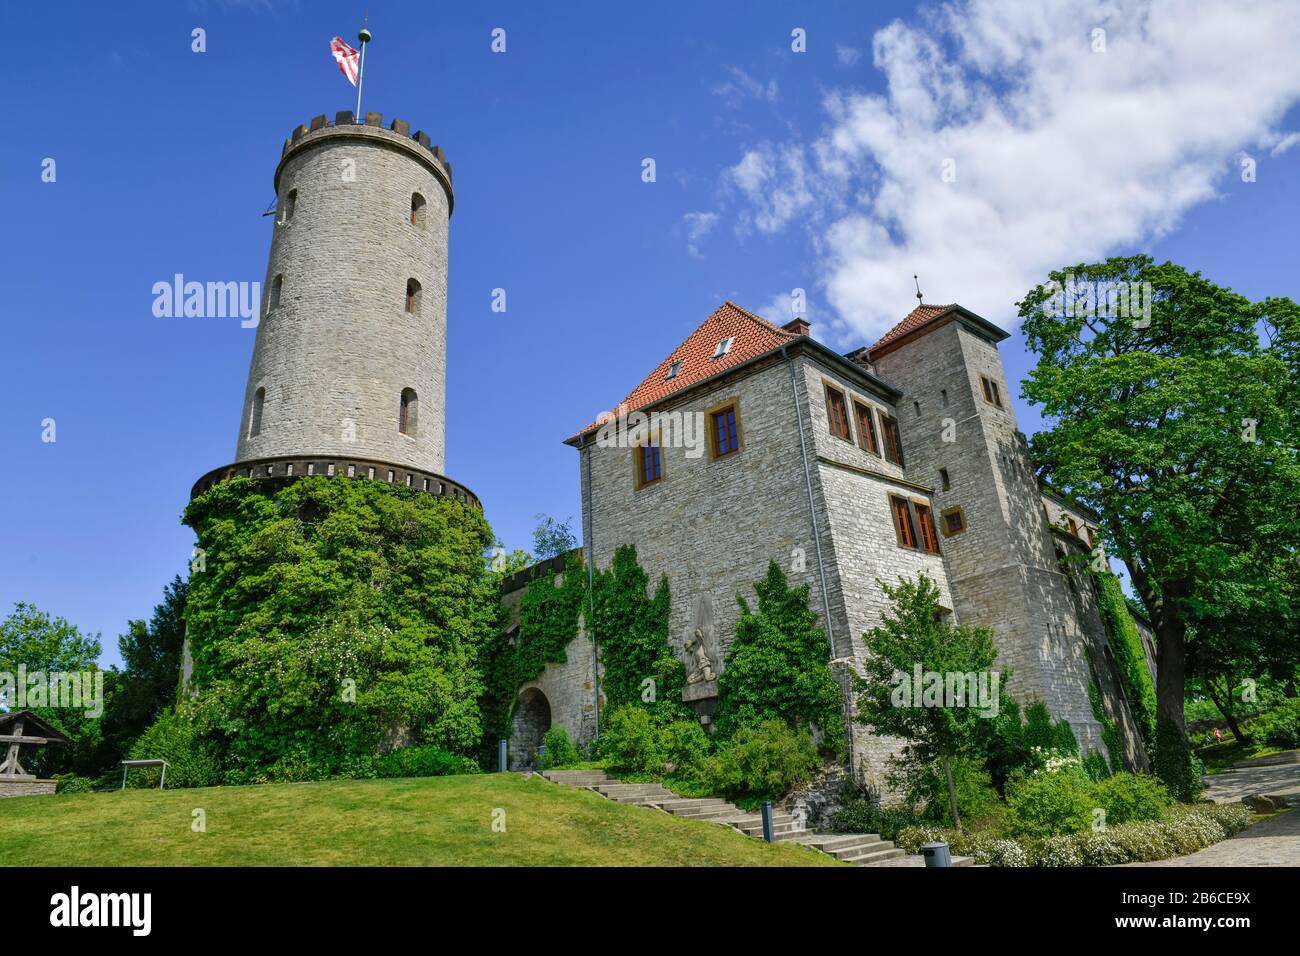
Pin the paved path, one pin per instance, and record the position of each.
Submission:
(1274, 842)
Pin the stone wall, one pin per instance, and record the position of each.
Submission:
(27, 788)
(340, 346)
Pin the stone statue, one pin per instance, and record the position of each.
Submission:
(703, 665)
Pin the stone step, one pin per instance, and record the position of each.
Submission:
(868, 855)
(683, 803)
(654, 794)
(711, 813)
(755, 829)
(577, 778)
(830, 842)
(615, 787)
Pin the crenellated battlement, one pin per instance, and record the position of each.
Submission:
(345, 123)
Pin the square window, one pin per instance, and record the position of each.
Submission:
(954, 521)
(992, 395)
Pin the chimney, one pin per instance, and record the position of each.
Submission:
(797, 326)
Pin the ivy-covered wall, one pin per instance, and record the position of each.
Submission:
(1130, 659)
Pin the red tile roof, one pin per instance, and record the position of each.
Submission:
(921, 315)
(754, 336)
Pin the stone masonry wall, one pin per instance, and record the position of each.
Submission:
(340, 345)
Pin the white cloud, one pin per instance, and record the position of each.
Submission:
(1061, 154)
(698, 226)
(742, 86)
(847, 55)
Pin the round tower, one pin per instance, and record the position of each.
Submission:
(348, 374)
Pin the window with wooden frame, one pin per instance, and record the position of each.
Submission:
(866, 428)
(904, 526)
(412, 297)
(1092, 541)
(891, 439)
(952, 521)
(837, 413)
(724, 430)
(407, 411)
(992, 394)
(925, 524)
(648, 459)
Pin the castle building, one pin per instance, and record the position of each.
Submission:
(752, 443)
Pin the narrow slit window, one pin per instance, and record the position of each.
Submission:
(417, 210)
(944, 483)
(277, 287)
(408, 410)
(290, 203)
(413, 296)
(255, 413)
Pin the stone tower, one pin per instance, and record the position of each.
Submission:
(348, 375)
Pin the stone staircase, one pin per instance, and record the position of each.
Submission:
(860, 849)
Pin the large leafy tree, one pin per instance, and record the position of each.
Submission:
(778, 665)
(916, 631)
(1180, 429)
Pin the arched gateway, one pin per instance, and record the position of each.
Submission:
(532, 721)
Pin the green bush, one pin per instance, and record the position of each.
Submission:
(684, 745)
(859, 815)
(1048, 804)
(765, 761)
(927, 791)
(1095, 765)
(1128, 797)
(1279, 727)
(174, 737)
(425, 760)
(560, 751)
(71, 783)
(629, 741)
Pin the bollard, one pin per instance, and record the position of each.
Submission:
(936, 854)
(502, 760)
(768, 835)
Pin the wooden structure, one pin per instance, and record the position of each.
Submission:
(19, 728)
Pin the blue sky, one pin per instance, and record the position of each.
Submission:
(775, 170)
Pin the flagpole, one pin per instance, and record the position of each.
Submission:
(364, 37)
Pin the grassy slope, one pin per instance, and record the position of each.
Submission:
(409, 822)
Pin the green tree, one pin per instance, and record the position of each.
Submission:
(778, 665)
(552, 538)
(151, 657)
(916, 632)
(1182, 433)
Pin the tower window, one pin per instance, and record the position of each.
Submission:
(943, 479)
(917, 405)
(943, 397)
(892, 440)
(290, 202)
(277, 286)
(417, 210)
(255, 413)
(866, 428)
(413, 295)
(837, 414)
(408, 412)
(992, 394)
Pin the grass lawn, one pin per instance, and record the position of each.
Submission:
(1219, 758)
(430, 821)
